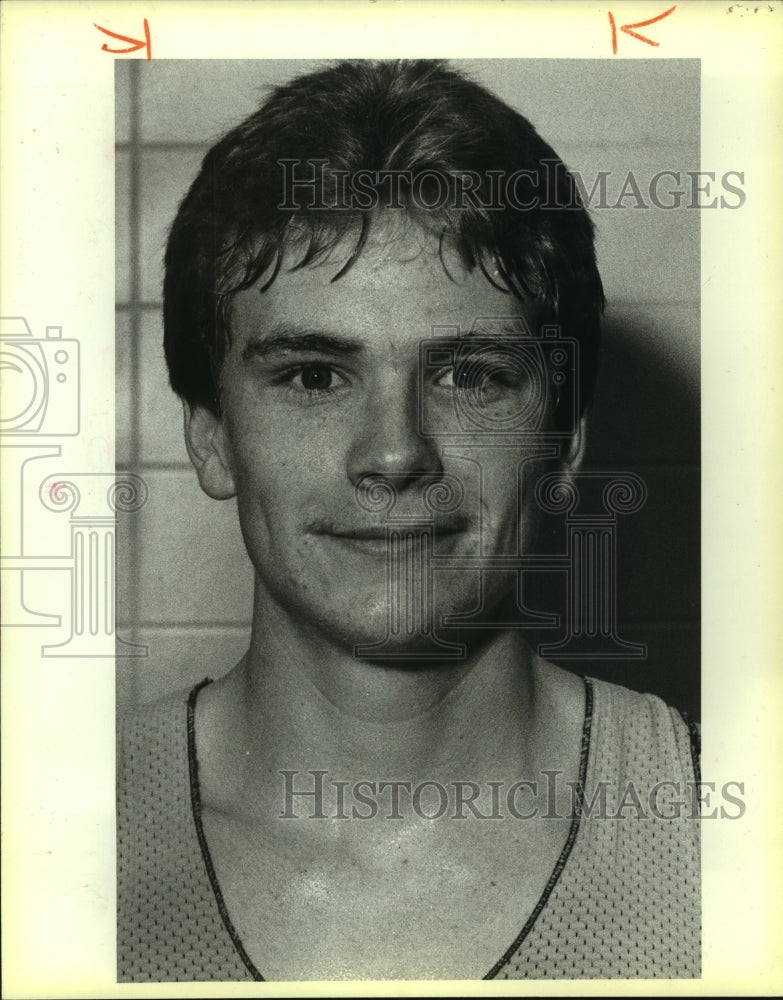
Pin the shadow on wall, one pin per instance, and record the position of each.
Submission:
(646, 407)
(646, 421)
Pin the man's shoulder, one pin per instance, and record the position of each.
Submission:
(642, 728)
(626, 703)
(621, 705)
(154, 734)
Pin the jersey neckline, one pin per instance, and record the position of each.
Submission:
(554, 878)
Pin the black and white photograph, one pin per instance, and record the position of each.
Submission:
(390, 419)
(423, 656)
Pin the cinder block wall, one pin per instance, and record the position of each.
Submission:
(187, 594)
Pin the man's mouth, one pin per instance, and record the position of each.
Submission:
(382, 539)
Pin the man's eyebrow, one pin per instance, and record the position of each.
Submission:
(287, 339)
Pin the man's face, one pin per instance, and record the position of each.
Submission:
(323, 397)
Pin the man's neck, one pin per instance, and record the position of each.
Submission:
(298, 705)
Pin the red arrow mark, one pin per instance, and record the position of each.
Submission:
(134, 43)
(628, 28)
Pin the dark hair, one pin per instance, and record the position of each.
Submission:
(418, 119)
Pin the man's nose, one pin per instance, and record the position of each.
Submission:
(388, 443)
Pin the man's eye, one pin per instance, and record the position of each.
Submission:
(491, 374)
(315, 378)
(452, 378)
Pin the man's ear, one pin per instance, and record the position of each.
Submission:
(208, 451)
(574, 451)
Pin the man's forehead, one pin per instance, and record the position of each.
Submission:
(379, 240)
(402, 277)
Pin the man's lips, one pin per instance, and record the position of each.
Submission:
(375, 538)
(381, 532)
(360, 534)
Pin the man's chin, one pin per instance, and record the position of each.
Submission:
(374, 630)
(372, 615)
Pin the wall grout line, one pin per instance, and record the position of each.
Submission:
(165, 147)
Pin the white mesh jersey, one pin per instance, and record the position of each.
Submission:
(623, 900)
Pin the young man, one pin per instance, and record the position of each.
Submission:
(382, 315)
